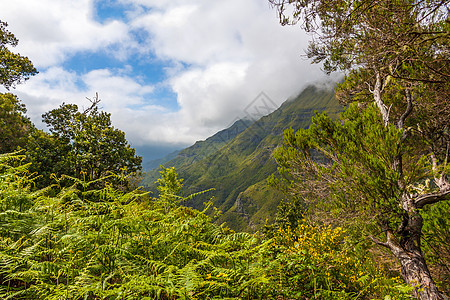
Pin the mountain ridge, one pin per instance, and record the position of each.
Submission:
(237, 167)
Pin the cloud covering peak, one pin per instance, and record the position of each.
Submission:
(169, 71)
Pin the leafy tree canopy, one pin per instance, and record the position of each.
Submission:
(388, 161)
(14, 68)
(14, 125)
(82, 144)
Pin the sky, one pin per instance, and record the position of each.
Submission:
(170, 72)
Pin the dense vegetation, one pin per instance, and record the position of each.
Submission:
(14, 68)
(78, 243)
(238, 160)
(387, 160)
(83, 145)
(72, 226)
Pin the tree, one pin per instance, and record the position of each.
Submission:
(84, 145)
(169, 188)
(14, 68)
(14, 125)
(392, 160)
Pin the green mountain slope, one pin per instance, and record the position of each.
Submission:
(237, 167)
(196, 152)
(155, 163)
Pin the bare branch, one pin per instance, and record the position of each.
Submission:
(391, 242)
(94, 102)
(378, 242)
(408, 110)
(377, 89)
(441, 180)
(431, 198)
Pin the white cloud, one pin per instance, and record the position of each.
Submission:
(51, 30)
(206, 95)
(118, 92)
(234, 50)
(199, 32)
(219, 56)
(114, 86)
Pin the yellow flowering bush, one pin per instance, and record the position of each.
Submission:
(314, 262)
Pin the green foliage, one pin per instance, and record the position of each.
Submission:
(312, 262)
(80, 243)
(347, 172)
(255, 207)
(404, 39)
(355, 161)
(238, 159)
(435, 243)
(169, 187)
(84, 145)
(395, 55)
(289, 214)
(14, 68)
(14, 125)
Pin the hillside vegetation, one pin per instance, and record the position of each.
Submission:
(365, 194)
(81, 243)
(237, 161)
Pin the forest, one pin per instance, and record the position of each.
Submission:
(365, 202)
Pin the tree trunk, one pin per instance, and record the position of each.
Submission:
(408, 251)
(416, 274)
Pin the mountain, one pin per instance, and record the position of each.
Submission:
(237, 161)
(155, 163)
(196, 152)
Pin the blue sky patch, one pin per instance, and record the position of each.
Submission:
(105, 11)
(84, 62)
(146, 70)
